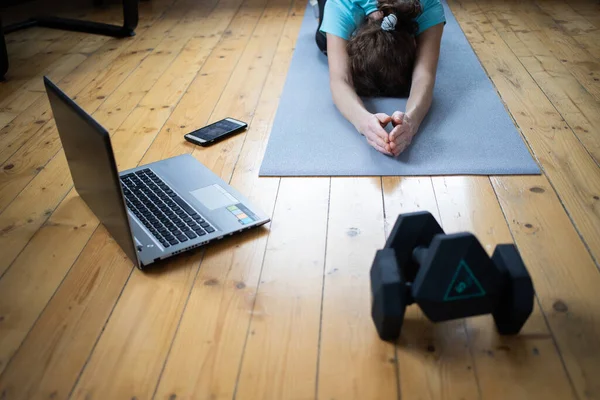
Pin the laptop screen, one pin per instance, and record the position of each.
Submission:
(92, 165)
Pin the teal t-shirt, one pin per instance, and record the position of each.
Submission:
(342, 17)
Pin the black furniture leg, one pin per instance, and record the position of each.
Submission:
(3, 54)
(130, 21)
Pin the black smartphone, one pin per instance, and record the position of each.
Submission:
(214, 132)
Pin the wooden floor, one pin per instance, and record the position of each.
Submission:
(283, 312)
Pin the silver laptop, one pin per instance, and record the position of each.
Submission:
(153, 211)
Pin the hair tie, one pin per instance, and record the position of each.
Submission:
(389, 22)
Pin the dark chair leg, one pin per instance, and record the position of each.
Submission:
(3, 54)
(130, 21)
(130, 16)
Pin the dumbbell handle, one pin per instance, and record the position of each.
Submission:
(419, 254)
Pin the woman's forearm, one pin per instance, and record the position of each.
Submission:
(419, 100)
(423, 80)
(348, 102)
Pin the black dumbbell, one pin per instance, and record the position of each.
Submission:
(448, 276)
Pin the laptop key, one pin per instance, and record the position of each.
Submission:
(199, 231)
(210, 229)
(191, 235)
(182, 238)
(184, 205)
(197, 217)
(204, 224)
(173, 242)
(187, 219)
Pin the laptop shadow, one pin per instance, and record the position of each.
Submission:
(223, 251)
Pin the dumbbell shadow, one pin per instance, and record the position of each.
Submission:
(448, 276)
(457, 347)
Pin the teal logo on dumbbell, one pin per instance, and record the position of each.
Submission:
(464, 284)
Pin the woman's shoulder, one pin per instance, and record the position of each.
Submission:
(432, 14)
(428, 4)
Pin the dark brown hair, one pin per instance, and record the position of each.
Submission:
(381, 62)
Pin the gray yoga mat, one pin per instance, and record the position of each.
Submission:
(467, 131)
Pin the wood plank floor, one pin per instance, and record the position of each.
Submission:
(284, 312)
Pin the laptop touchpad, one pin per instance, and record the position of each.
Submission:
(213, 197)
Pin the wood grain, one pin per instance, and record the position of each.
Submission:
(544, 241)
(14, 135)
(38, 271)
(32, 123)
(280, 358)
(587, 9)
(434, 361)
(16, 226)
(27, 72)
(566, 278)
(583, 65)
(528, 359)
(572, 172)
(284, 311)
(585, 34)
(5, 119)
(578, 108)
(163, 315)
(20, 326)
(206, 353)
(147, 120)
(353, 362)
(51, 357)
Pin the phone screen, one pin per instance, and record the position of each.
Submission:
(215, 130)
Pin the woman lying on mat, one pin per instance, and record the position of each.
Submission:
(390, 48)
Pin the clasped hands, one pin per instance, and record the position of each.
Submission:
(393, 143)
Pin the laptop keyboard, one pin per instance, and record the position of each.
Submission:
(170, 219)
